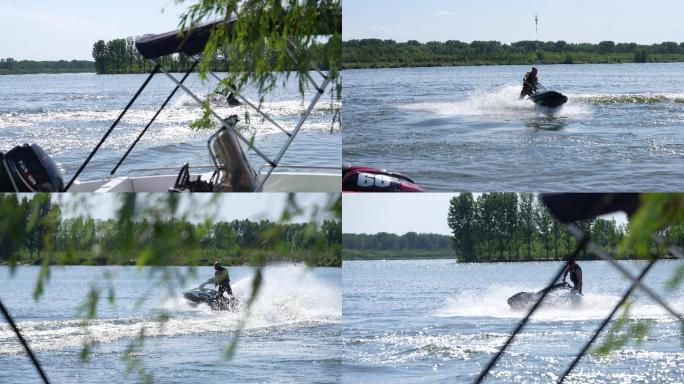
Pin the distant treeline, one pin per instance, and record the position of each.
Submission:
(75, 241)
(515, 227)
(391, 246)
(377, 53)
(497, 227)
(121, 56)
(10, 66)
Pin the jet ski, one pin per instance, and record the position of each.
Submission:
(367, 179)
(559, 295)
(547, 98)
(202, 295)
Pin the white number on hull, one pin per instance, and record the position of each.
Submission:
(367, 180)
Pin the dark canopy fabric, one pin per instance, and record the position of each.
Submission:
(571, 207)
(192, 43)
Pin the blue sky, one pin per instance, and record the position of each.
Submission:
(67, 29)
(395, 212)
(507, 21)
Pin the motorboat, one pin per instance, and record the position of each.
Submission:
(229, 168)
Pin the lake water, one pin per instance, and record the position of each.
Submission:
(462, 128)
(67, 114)
(291, 336)
(441, 322)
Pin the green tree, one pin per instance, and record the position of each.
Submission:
(641, 56)
(224, 236)
(100, 56)
(510, 225)
(545, 225)
(333, 231)
(271, 38)
(42, 220)
(527, 221)
(12, 226)
(606, 47)
(461, 220)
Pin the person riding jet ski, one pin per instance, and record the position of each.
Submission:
(214, 298)
(575, 275)
(530, 83)
(230, 96)
(221, 280)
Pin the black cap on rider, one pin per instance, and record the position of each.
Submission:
(217, 266)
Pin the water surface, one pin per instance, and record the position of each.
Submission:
(462, 128)
(291, 336)
(441, 322)
(67, 114)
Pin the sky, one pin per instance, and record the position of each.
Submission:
(405, 212)
(507, 21)
(231, 206)
(395, 212)
(67, 29)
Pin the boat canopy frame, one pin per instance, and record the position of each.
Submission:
(191, 43)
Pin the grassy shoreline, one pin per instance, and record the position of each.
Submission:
(378, 53)
(189, 257)
(48, 72)
(394, 65)
(10, 66)
(408, 254)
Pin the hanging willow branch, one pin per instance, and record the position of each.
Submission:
(271, 40)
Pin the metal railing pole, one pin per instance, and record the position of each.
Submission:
(583, 242)
(246, 101)
(605, 323)
(600, 253)
(198, 100)
(24, 343)
(300, 123)
(97, 147)
(192, 67)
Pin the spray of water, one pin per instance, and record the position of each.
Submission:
(501, 103)
(630, 98)
(594, 305)
(291, 296)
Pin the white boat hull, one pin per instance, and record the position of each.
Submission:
(277, 182)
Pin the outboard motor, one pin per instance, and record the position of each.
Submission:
(367, 179)
(28, 168)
